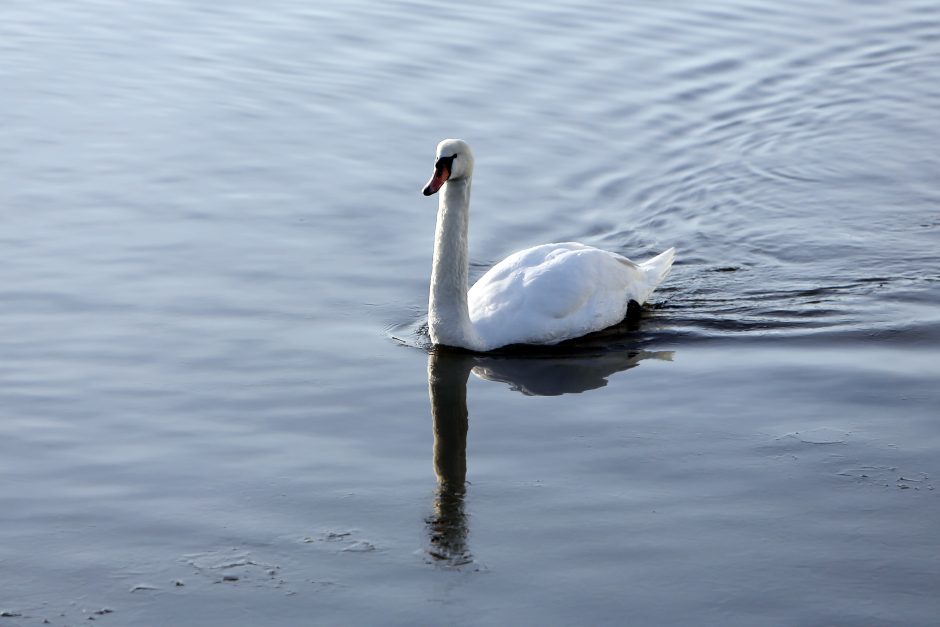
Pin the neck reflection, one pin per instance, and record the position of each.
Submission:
(549, 374)
(447, 387)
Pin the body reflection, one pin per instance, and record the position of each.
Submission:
(557, 375)
(448, 372)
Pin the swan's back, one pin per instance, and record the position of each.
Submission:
(555, 292)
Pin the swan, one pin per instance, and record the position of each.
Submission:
(540, 295)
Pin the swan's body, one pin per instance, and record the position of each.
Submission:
(541, 295)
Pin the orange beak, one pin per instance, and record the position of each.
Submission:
(440, 176)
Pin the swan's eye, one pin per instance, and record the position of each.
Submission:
(446, 161)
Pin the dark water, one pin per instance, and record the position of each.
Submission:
(214, 404)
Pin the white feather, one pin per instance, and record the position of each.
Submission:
(540, 295)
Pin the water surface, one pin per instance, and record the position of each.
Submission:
(217, 407)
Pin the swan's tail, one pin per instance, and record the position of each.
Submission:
(656, 270)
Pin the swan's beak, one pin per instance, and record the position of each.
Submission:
(440, 176)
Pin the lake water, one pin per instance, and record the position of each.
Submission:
(216, 402)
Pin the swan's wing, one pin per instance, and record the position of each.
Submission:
(553, 292)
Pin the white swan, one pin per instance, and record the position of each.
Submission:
(541, 295)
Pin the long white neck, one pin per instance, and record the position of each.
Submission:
(448, 315)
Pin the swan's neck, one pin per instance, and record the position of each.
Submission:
(448, 316)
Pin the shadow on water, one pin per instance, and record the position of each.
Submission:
(534, 375)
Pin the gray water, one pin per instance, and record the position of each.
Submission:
(216, 402)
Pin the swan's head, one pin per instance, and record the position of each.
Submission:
(453, 161)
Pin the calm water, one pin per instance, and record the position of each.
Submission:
(215, 403)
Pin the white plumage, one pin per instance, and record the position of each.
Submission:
(540, 295)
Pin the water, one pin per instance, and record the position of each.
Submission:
(214, 392)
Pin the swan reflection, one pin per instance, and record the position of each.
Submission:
(448, 372)
(553, 376)
(447, 387)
